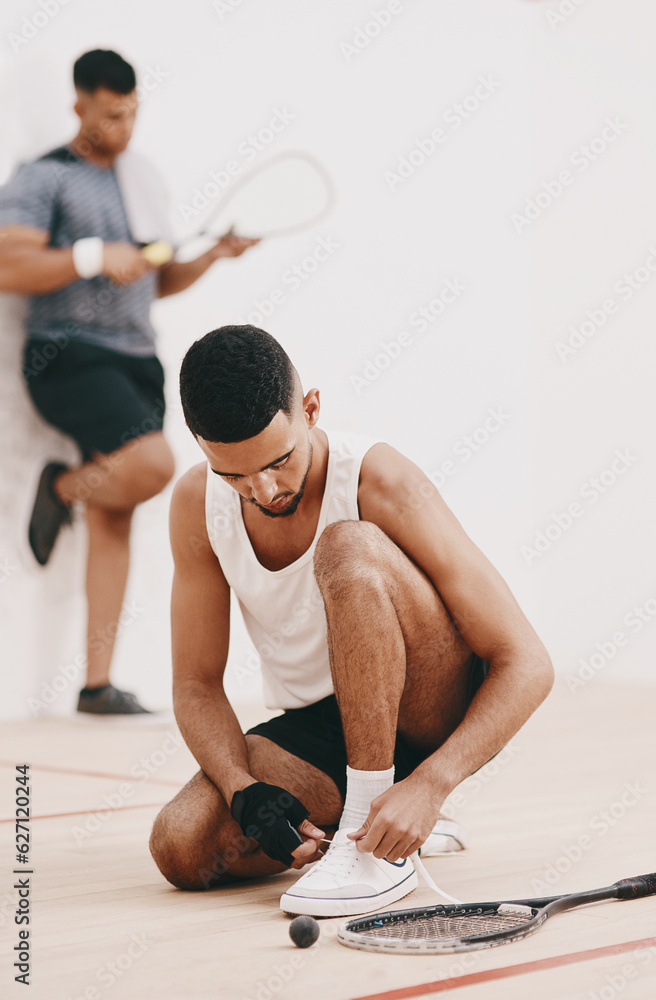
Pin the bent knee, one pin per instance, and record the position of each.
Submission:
(150, 465)
(186, 864)
(155, 464)
(173, 854)
(154, 478)
(350, 551)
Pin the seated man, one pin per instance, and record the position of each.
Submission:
(376, 619)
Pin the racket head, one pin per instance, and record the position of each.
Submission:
(442, 929)
(471, 926)
(285, 194)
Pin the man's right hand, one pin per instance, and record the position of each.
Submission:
(124, 263)
(309, 850)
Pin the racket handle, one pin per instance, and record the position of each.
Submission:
(634, 888)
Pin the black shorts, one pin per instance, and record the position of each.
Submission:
(315, 734)
(100, 398)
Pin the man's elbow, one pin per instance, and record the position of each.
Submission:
(17, 246)
(542, 675)
(17, 279)
(9, 281)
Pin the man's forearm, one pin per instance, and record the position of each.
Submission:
(213, 734)
(516, 684)
(176, 276)
(29, 271)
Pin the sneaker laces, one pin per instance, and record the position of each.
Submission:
(338, 859)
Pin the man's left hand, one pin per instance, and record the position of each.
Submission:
(231, 246)
(400, 820)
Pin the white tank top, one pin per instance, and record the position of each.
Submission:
(283, 609)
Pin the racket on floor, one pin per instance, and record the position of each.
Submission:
(285, 194)
(470, 926)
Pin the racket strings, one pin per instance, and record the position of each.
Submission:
(442, 928)
(288, 193)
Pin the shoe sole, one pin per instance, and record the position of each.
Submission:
(303, 906)
(25, 551)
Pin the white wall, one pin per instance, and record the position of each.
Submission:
(218, 72)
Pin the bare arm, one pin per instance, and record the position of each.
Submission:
(177, 276)
(28, 266)
(200, 622)
(397, 496)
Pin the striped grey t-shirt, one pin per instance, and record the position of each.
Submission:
(72, 199)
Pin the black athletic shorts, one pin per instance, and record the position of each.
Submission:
(315, 734)
(100, 398)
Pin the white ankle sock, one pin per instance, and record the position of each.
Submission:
(362, 787)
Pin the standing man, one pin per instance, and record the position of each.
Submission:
(399, 655)
(90, 364)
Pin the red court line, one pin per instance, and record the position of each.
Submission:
(442, 985)
(94, 774)
(85, 812)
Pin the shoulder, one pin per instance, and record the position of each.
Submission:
(41, 174)
(383, 468)
(187, 511)
(28, 200)
(193, 555)
(61, 154)
(391, 484)
(189, 491)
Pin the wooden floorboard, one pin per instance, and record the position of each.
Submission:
(570, 805)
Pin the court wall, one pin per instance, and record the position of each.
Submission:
(481, 297)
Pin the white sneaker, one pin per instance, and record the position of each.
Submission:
(446, 838)
(346, 882)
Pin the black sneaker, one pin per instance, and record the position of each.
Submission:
(108, 700)
(49, 514)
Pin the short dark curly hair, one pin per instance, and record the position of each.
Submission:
(104, 68)
(233, 381)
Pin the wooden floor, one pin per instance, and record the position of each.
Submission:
(571, 804)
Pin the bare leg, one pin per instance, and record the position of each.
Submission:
(107, 573)
(198, 845)
(111, 486)
(398, 663)
(133, 473)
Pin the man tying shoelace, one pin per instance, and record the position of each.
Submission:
(399, 656)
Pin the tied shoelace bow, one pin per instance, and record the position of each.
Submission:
(338, 860)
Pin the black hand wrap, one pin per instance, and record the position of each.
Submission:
(270, 815)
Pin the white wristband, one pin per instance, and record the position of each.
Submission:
(88, 256)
